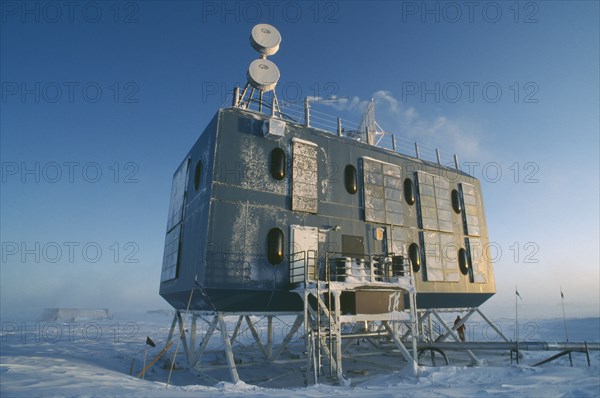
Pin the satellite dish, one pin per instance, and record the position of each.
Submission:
(265, 39)
(263, 74)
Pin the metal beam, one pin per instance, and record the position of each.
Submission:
(256, 337)
(411, 361)
(205, 339)
(236, 330)
(288, 337)
(183, 338)
(419, 321)
(191, 356)
(269, 337)
(355, 328)
(553, 357)
(228, 351)
(454, 336)
(523, 345)
(455, 327)
(172, 329)
(497, 330)
(338, 338)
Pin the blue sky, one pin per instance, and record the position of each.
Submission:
(101, 100)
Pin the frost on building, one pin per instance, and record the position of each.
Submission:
(261, 191)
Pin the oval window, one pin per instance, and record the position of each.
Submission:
(456, 202)
(197, 175)
(275, 246)
(415, 257)
(409, 191)
(278, 163)
(350, 179)
(463, 265)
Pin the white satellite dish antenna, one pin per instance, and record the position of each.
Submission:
(265, 39)
(263, 74)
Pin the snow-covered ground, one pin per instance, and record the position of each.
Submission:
(95, 358)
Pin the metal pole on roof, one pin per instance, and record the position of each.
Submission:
(306, 113)
(417, 150)
(273, 103)
(456, 162)
(236, 97)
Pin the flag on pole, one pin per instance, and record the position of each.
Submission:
(562, 296)
(518, 295)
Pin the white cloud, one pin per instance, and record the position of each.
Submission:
(450, 136)
(351, 104)
(439, 131)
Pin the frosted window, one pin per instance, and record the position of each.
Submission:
(397, 240)
(433, 261)
(304, 177)
(449, 249)
(436, 206)
(382, 192)
(440, 256)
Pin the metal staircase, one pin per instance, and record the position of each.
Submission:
(330, 329)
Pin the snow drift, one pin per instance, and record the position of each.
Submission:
(74, 314)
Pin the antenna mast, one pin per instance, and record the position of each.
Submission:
(369, 126)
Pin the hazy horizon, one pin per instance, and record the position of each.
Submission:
(99, 108)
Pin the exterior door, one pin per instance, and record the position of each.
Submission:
(304, 246)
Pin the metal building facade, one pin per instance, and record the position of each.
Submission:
(335, 195)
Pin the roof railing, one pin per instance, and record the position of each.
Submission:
(304, 114)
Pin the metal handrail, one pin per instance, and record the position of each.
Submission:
(302, 113)
(372, 259)
(293, 259)
(306, 259)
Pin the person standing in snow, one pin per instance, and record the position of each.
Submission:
(460, 330)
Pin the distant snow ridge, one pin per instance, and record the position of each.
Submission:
(74, 314)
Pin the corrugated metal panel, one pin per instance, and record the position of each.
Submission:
(437, 221)
(398, 240)
(178, 195)
(171, 253)
(435, 270)
(471, 211)
(427, 201)
(444, 204)
(382, 189)
(440, 256)
(477, 261)
(436, 206)
(304, 177)
(449, 249)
